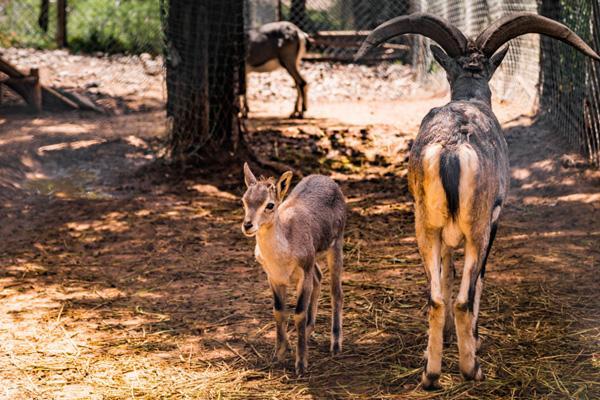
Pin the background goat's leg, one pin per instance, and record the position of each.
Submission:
(288, 60)
(314, 301)
(304, 293)
(335, 262)
(474, 322)
(430, 243)
(279, 305)
(463, 311)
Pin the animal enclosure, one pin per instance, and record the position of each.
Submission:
(124, 273)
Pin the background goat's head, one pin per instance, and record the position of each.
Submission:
(470, 64)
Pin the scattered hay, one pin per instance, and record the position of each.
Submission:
(153, 292)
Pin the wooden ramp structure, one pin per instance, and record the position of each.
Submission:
(38, 96)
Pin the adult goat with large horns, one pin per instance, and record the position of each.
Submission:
(458, 171)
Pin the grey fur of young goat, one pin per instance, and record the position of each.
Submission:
(279, 45)
(459, 171)
(290, 235)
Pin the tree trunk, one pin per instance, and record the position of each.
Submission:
(298, 14)
(43, 18)
(205, 56)
(61, 23)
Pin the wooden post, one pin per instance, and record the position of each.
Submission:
(36, 90)
(61, 29)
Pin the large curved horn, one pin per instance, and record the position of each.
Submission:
(513, 25)
(445, 34)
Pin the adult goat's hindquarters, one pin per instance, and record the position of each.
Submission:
(459, 173)
(274, 45)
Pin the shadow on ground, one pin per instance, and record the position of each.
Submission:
(130, 279)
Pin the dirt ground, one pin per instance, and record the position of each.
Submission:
(122, 278)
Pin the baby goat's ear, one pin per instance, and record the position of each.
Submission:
(249, 177)
(283, 184)
(497, 58)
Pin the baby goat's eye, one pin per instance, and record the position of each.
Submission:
(270, 206)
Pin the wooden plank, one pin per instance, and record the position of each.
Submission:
(38, 96)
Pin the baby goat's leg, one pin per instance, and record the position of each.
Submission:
(474, 322)
(429, 241)
(279, 301)
(463, 312)
(314, 301)
(335, 260)
(305, 288)
(447, 281)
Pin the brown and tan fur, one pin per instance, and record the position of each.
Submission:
(279, 45)
(290, 235)
(458, 171)
(459, 177)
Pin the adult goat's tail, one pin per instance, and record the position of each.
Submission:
(450, 174)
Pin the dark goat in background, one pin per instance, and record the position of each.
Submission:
(458, 171)
(279, 45)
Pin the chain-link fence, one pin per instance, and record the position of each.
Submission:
(570, 82)
(517, 77)
(338, 27)
(567, 85)
(205, 64)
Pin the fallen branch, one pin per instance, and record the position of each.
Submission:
(38, 96)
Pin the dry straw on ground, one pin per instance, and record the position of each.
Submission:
(131, 281)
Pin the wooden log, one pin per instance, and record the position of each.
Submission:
(38, 96)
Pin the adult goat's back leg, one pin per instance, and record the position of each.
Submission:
(430, 243)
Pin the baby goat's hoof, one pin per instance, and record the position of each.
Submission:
(430, 381)
(297, 115)
(280, 352)
(476, 374)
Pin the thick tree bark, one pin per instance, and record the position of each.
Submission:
(43, 18)
(205, 56)
(298, 14)
(61, 23)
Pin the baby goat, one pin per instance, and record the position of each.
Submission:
(289, 236)
(275, 45)
(458, 171)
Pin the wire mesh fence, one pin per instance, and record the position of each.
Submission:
(205, 58)
(517, 77)
(566, 84)
(570, 82)
(337, 26)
